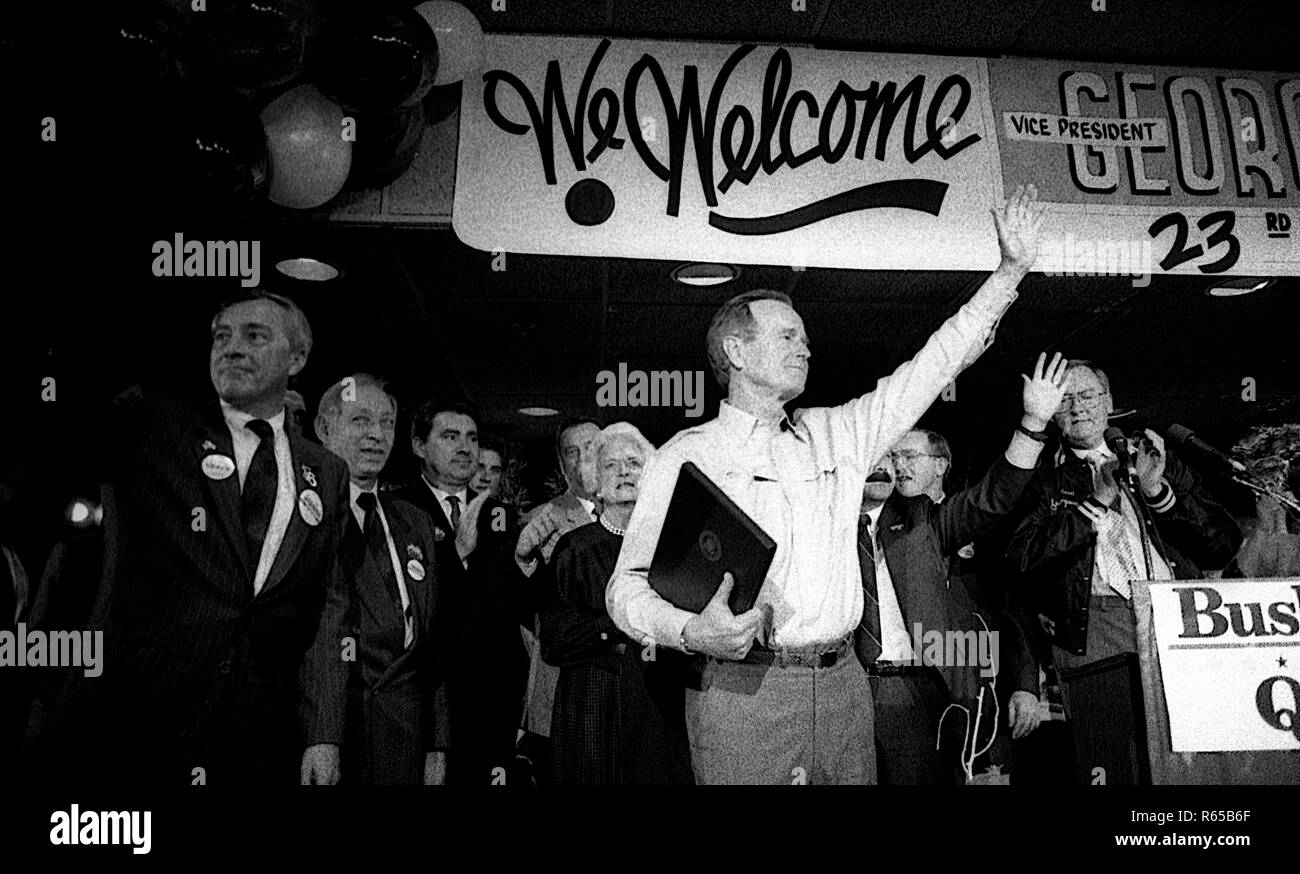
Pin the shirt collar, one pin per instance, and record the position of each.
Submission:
(1098, 453)
(588, 505)
(356, 491)
(442, 495)
(741, 424)
(874, 515)
(238, 420)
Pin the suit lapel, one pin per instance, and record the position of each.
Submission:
(888, 538)
(212, 438)
(296, 533)
(416, 590)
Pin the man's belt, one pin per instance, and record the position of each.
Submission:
(895, 669)
(817, 655)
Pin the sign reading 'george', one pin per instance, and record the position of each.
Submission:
(774, 155)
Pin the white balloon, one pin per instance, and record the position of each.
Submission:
(460, 40)
(310, 159)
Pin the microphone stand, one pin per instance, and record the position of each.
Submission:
(1129, 483)
(1290, 504)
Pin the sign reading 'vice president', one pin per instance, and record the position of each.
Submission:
(762, 154)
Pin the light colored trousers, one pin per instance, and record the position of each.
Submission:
(758, 724)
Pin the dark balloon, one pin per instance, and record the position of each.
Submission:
(258, 44)
(217, 159)
(386, 145)
(374, 61)
(143, 42)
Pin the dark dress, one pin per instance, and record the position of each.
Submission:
(618, 718)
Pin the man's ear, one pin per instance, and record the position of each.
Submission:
(417, 448)
(297, 361)
(732, 347)
(322, 426)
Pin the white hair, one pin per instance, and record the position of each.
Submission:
(620, 431)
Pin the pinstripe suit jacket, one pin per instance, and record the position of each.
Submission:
(197, 672)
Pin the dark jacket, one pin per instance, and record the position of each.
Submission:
(482, 646)
(919, 537)
(1052, 553)
(397, 707)
(200, 673)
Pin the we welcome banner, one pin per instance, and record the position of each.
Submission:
(765, 154)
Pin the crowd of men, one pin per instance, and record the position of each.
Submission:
(271, 615)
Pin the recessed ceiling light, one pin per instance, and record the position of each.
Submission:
(539, 411)
(1239, 286)
(308, 269)
(705, 274)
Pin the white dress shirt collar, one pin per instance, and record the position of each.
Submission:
(237, 419)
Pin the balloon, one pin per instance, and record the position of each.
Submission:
(374, 61)
(144, 42)
(210, 154)
(310, 158)
(460, 40)
(259, 44)
(386, 145)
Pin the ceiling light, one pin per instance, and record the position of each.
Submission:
(705, 274)
(1239, 286)
(539, 412)
(308, 269)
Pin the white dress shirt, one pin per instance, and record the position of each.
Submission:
(356, 491)
(802, 484)
(895, 642)
(246, 443)
(1111, 572)
(442, 497)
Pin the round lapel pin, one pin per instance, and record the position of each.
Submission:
(415, 570)
(310, 508)
(218, 467)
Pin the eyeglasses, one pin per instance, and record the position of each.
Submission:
(910, 456)
(1085, 398)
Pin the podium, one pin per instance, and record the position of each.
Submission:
(1108, 718)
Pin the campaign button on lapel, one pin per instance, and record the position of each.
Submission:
(415, 570)
(218, 467)
(310, 507)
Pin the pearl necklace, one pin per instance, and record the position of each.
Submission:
(612, 529)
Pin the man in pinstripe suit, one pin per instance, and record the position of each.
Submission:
(222, 603)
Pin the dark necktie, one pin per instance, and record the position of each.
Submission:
(260, 485)
(867, 641)
(455, 513)
(377, 545)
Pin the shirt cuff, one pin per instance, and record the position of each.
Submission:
(1164, 500)
(1023, 451)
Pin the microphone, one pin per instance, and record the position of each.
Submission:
(1118, 444)
(1182, 437)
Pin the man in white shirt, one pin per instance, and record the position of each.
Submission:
(800, 708)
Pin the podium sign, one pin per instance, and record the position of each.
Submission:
(1221, 679)
(1230, 658)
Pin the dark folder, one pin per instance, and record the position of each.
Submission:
(704, 535)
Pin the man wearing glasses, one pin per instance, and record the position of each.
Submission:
(1076, 553)
(906, 541)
